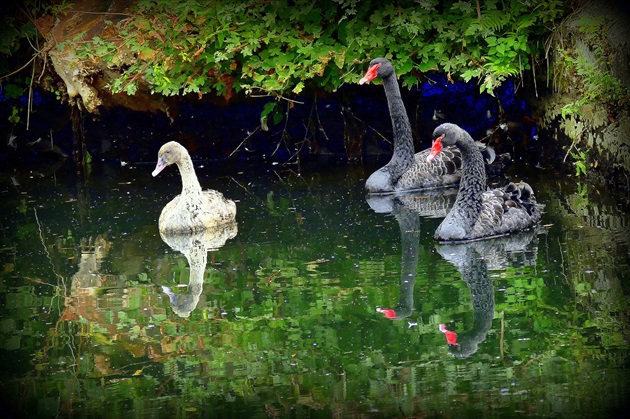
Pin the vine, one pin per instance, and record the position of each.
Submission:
(281, 47)
(586, 71)
(592, 78)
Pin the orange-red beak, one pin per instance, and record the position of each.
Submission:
(436, 148)
(387, 312)
(451, 337)
(370, 74)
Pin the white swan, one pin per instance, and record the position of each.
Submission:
(193, 210)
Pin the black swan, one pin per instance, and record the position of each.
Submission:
(479, 214)
(473, 261)
(406, 171)
(193, 210)
(409, 224)
(474, 271)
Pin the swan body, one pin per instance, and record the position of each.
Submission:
(194, 209)
(407, 171)
(419, 175)
(477, 213)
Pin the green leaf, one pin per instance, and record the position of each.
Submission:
(405, 66)
(470, 73)
(268, 108)
(428, 65)
(298, 88)
(12, 91)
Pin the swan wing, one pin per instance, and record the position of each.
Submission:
(507, 210)
(442, 171)
(448, 162)
(196, 213)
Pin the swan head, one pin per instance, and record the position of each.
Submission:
(169, 153)
(445, 135)
(379, 67)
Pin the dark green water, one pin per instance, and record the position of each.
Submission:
(286, 319)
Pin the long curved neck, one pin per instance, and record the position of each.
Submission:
(475, 273)
(403, 143)
(409, 223)
(190, 184)
(472, 184)
(197, 256)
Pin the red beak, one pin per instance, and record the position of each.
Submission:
(387, 312)
(451, 337)
(370, 74)
(436, 148)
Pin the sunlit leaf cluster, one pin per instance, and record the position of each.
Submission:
(283, 47)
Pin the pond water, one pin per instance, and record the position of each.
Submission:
(319, 303)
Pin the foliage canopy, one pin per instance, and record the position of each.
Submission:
(282, 47)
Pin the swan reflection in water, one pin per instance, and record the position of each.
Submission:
(407, 209)
(409, 224)
(195, 247)
(472, 260)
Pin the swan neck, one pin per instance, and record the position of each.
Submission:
(409, 223)
(472, 184)
(474, 272)
(197, 260)
(473, 170)
(403, 141)
(190, 183)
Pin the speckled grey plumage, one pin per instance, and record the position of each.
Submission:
(193, 210)
(477, 213)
